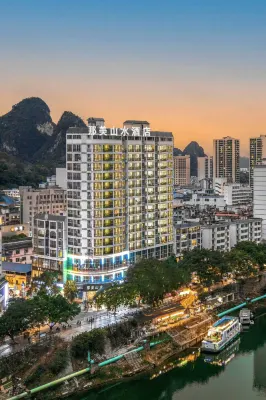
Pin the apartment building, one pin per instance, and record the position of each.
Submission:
(181, 170)
(187, 236)
(257, 152)
(259, 195)
(205, 167)
(216, 236)
(204, 200)
(17, 252)
(49, 244)
(225, 235)
(245, 230)
(237, 195)
(36, 201)
(119, 198)
(226, 159)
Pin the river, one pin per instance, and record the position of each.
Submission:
(237, 373)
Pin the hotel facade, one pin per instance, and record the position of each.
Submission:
(119, 199)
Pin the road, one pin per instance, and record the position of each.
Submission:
(89, 320)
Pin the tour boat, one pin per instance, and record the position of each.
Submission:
(223, 332)
(225, 356)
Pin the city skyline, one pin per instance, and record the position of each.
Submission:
(193, 69)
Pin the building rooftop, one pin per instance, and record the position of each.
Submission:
(91, 119)
(20, 244)
(7, 200)
(187, 225)
(16, 267)
(134, 121)
(50, 217)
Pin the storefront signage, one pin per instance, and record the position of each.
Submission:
(92, 287)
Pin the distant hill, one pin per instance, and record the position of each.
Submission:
(26, 128)
(194, 150)
(31, 144)
(177, 152)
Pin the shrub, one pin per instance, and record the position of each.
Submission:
(59, 361)
(39, 371)
(93, 341)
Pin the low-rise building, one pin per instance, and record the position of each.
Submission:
(18, 251)
(187, 237)
(216, 237)
(12, 193)
(181, 213)
(17, 275)
(237, 195)
(9, 210)
(203, 200)
(49, 244)
(245, 230)
(225, 235)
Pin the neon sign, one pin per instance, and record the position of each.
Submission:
(134, 131)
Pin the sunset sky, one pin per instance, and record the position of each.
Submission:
(193, 67)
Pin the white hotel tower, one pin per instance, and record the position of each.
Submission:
(119, 199)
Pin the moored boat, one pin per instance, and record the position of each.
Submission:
(222, 332)
(246, 317)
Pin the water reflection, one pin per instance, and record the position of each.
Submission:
(184, 376)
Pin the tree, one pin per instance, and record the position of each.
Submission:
(209, 265)
(93, 341)
(241, 264)
(116, 295)
(152, 279)
(70, 290)
(53, 309)
(46, 283)
(256, 251)
(18, 317)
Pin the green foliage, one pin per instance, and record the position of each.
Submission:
(116, 295)
(152, 278)
(58, 362)
(46, 283)
(93, 341)
(53, 309)
(24, 314)
(35, 376)
(70, 290)
(209, 265)
(120, 333)
(14, 238)
(241, 264)
(17, 318)
(15, 173)
(257, 252)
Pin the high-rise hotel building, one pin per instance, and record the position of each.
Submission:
(119, 199)
(226, 159)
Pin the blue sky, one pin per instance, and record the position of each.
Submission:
(196, 68)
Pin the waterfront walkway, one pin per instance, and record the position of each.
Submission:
(89, 320)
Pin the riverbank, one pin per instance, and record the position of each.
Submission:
(130, 363)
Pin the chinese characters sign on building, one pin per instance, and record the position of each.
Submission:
(134, 131)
